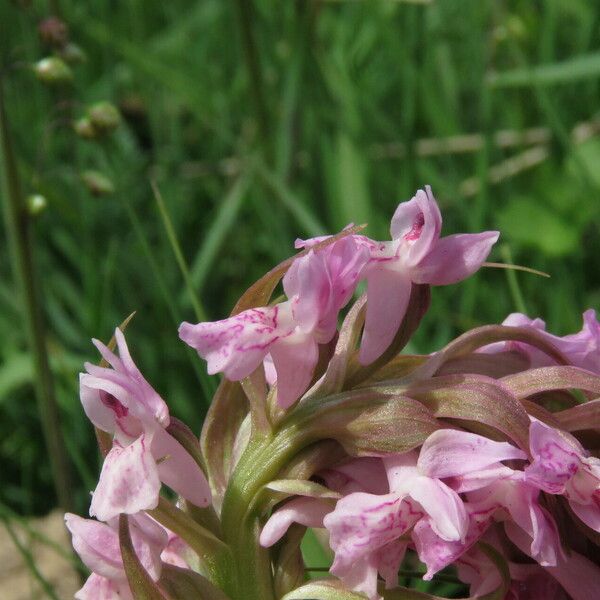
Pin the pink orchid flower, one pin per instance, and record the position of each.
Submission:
(367, 530)
(472, 465)
(562, 466)
(98, 547)
(360, 474)
(416, 254)
(318, 285)
(582, 348)
(121, 402)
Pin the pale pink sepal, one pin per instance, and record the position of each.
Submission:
(452, 453)
(306, 511)
(455, 258)
(178, 470)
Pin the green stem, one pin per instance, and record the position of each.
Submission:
(20, 243)
(260, 463)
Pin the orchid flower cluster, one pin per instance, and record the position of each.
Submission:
(478, 462)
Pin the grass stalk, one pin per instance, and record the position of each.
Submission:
(18, 228)
(177, 251)
(245, 14)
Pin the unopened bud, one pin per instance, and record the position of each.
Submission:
(97, 183)
(53, 32)
(72, 54)
(36, 203)
(104, 116)
(84, 128)
(53, 71)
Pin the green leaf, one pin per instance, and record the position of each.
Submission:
(323, 590)
(586, 66)
(475, 398)
(546, 379)
(140, 582)
(522, 221)
(183, 584)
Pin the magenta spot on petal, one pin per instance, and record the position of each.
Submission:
(111, 402)
(417, 226)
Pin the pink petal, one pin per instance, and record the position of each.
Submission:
(236, 346)
(451, 453)
(583, 348)
(454, 258)
(480, 479)
(529, 519)
(556, 458)
(128, 482)
(588, 513)
(388, 293)
(447, 511)
(97, 545)
(388, 559)
(400, 469)
(178, 470)
(307, 280)
(98, 413)
(100, 588)
(363, 523)
(306, 511)
(579, 577)
(357, 475)
(360, 577)
(417, 224)
(294, 359)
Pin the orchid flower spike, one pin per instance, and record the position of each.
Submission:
(121, 402)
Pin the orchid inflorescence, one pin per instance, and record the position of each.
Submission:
(477, 459)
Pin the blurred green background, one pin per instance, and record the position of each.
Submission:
(263, 121)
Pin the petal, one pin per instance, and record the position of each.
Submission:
(363, 523)
(100, 588)
(178, 470)
(128, 482)
(400, 469)
(583, 348)
(294, 359)
(388, 559)
(588, 513)
(454, 258)
(417, 224)
(360, 577)
(357, 475)
(98, 413)
(579, 577)
(306, 511)
(480, 479)
(388, 293)
(445, 507)
(236, 346)
(556, 458)
(529, 521)
(307, 280)
(97, 545)
(450, 453)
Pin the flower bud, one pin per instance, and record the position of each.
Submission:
(104, 116)
(53, 71)
(72, 54)
(97, 183)
(84, 128)
(36, 204)
(53, 32)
